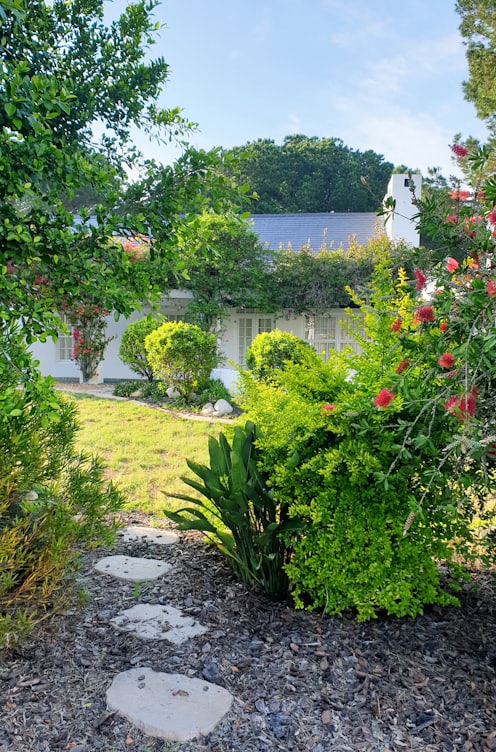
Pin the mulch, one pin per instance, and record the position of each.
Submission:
(300, 681)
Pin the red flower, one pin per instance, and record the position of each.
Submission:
(491, 288)
(442, 326)
(460, 195)
(401, 366)
(328, 407)
(459, 150)
(396, 325)
(462, 406)
(384, 398)
(451, 264)
(452, 219)
(424, 313)
(491, 217)
(446, 360)
(421, 279)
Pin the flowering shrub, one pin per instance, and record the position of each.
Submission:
(89, 335)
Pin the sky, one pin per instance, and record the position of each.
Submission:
(384, 75)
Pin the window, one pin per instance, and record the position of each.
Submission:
(248, 328)
(65, 342)
(333, 332)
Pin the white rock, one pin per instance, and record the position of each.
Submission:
(156, 622)
(207, 409)
(148, 535)
(168, 706)
(172, 392)
(132, 568)
(222, 407)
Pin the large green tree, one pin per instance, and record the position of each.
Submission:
(310, 174)
(478, 30)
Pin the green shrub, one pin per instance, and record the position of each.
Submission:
(127, 388)
(212, 391)
(182, 355)
(132, 349)
(270, 352)
(153, 391)
(53, 500)
(239, 511)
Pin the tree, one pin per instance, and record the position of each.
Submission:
(308, 174)
(478, 29)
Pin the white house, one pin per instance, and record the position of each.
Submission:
(325, 333)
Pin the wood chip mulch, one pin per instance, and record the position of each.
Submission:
(300, 681)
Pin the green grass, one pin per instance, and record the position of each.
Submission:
(144, 449)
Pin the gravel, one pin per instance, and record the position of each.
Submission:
(300, 681)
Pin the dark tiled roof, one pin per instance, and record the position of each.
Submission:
(333, 228)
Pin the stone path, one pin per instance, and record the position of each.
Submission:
(165, 705)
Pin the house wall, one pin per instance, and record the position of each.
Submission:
(399, 224)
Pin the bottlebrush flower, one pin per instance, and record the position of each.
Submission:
(451, 264)
(384, 398)
(396, 325)
(460, 195)
(443, 326)
(452, 219)
(424, 313)
(491, 217)
(328, 407)
(446, 360)
(491, 288)
(421, 279)
(459, 150)
(401, 366)
(462, 406)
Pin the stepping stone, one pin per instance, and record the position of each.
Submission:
(155, 622)
(168, 706)
(132, 568)
(148, 535)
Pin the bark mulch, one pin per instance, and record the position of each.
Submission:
(300, 681)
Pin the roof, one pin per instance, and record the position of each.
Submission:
(312, 230)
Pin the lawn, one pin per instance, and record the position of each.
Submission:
(144, 449)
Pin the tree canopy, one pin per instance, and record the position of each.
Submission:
(478, 30)
(310, 174)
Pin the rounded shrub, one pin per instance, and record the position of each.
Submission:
(272, 351)
(132, 350)
(182, 355)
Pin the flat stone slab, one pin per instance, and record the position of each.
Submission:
(148, 535)
(156, 622)
(132, 568)
(168, 706)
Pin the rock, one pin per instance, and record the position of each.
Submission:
(136, 533)
(222, 407)
(208, 409)
(132, 568)
(154, 622)
(168, 706)
(172, 392)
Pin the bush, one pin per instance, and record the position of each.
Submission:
(132, 349)
(212, 391)
(53, 499)
(153, 391)
(182, 355)
(240, 513)
(270, 352)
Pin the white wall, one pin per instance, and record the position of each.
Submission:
(399, 225)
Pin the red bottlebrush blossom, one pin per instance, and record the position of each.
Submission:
(421, 279)
(460, 195)
(451, 264)
(401, 366)
(452, 219)
(462, 406)
(459, 150)
(424, 313)
(443, 326)
(491, 288)
(384, 398)
(446, 360)
(481, 196)
(396, 325)
(328, 407)
(491, 217)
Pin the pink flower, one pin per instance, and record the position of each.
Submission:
(451, 264)
(424, 313)
(459, 150)
(384, 398)
(328, 407)
(491, 288)
(446, 360)
(460, 195)
(396, 325)
(401, 366)
(491, 217)
(421, 279)
(452, 219)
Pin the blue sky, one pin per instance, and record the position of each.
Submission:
(384, 75)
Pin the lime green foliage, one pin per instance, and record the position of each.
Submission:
(53, 499)
(182, 355)
(132, 350)
(212, 391)
(375, 498)
(239, 511)
(272, 351)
